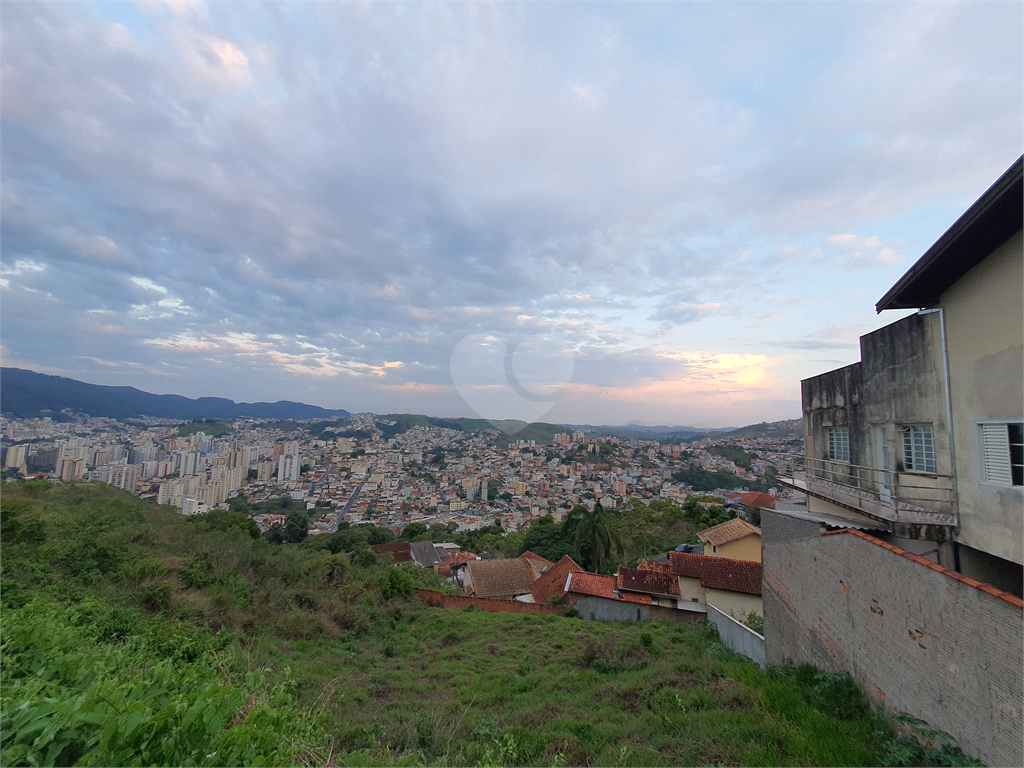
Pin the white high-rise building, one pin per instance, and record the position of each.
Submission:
(289, 466)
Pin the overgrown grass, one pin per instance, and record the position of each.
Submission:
(126, 625)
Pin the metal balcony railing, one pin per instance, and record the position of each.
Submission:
(897, 497)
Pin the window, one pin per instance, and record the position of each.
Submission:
(839, 443)
(1002, 453)
(919, 449)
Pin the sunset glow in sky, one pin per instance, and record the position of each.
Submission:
(696, 204)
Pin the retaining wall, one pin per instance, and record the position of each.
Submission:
(918, 638)
(738, 637)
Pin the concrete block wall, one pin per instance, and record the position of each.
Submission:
(919, 638)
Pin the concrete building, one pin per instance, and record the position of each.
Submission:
(905, 570)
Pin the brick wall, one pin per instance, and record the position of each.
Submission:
(918, 638)
(488, 604)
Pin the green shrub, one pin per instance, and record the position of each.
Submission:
(396, 582)
(364, 558)
(835, 694)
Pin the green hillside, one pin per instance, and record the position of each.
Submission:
(511, 429)
(133, 636)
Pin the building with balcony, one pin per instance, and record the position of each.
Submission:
(920, 442)
(905, 568)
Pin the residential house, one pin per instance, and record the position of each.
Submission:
(905, 570)
(552, 581)
(657, 583)
(505, 578)
(736, 539)
(731, 586)
(749, 505)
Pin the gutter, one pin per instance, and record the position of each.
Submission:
(949, 423)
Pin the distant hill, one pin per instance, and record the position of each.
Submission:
(27, 394)
(391, 424)
(779, 429)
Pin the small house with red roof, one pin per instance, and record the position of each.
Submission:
(731, 586)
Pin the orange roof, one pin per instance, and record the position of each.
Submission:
(758, 499)
(718, 572)
(595, 584)
(535, 556)
(730, 530)
(648, 581)
(654, 565)
(462, 557)
(553, 580)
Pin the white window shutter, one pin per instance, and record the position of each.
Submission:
(995, 454)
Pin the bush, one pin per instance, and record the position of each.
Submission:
(397, 581)
(755, 621)
(364, 558)
(835, 694)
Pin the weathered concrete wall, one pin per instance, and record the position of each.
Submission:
(986, 367)
(602, 609)
(833, 400)
(919, 638)
(737, 637)
(903, 382)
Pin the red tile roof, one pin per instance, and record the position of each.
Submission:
(758, 499)
(595, 584)
(648, 581)
(718, 572)
(462, 557)
(654, 565)
(553, 580)
(535, 556)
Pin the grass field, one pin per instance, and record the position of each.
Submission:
(123, 623)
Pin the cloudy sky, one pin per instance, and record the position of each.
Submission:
(660, 213)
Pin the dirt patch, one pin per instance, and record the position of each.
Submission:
(724, 685)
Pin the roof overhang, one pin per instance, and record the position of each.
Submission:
(993, 219)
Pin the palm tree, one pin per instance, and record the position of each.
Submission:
(594, 529)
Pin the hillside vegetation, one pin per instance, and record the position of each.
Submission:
(133, 636)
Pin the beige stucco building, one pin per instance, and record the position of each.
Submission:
(731, 586)
(735, 539)
(921, 441)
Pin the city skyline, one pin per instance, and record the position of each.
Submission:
(698, 204)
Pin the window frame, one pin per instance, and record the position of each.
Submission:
(907, 432)
(831, 443)
(989, 475)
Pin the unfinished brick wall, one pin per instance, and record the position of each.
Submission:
(487, 604)
(917, 638)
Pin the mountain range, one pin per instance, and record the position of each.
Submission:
(27, 394)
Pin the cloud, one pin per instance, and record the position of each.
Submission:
(328, 191)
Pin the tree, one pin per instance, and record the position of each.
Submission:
(296, 527)
(594, 536)
(412, 530)
(239, 504)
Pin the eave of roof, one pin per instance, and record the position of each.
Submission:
(993, 219)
